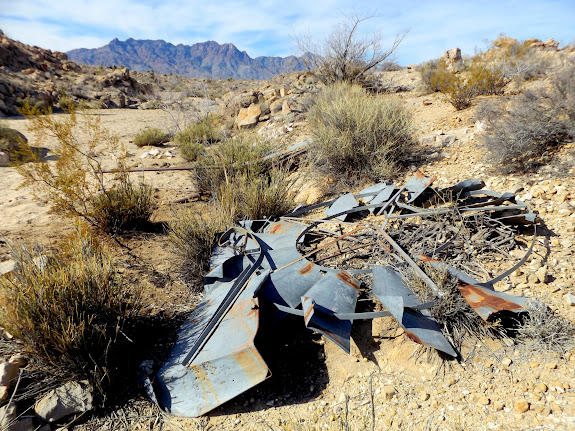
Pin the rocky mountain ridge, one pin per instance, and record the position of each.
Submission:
(200, 60)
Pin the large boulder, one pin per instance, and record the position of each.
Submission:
(13, 146)
(453, 59)
(248, 117)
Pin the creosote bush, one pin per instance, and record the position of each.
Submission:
(74, 185)
(194, 138)
(151, 136)
(521, 134)
(69, 308)
(358, 136)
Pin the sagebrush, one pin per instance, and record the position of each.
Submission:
(358, 136)
(69, 308)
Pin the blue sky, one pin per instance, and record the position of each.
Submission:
(269, 27)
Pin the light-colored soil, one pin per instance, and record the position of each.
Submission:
(387, 383)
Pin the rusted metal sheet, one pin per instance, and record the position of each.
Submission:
(485, 300)
(419, 326)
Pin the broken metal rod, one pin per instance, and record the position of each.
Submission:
(411, 262)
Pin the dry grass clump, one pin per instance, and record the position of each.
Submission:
(543, 330)
(69, 308)
(192, 236)
(230, 158)
(75, 186)
(151, 136)
(194, 138)
(521, 135)
(456, 318)
(358, 136)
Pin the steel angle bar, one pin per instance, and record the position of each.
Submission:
(228, 363)
(405, 307)
(464, 187)
(418, 271)
(482, 298)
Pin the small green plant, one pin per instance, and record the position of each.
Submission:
(151, 136)
(69, 308)
(358, 136)
(194, 138)
(74, 185)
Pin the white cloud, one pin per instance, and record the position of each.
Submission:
(434, 25)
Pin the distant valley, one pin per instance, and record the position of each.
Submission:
(200, 60)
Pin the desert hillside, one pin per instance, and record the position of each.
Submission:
(211, 153)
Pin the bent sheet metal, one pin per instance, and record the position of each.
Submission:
(258, 267)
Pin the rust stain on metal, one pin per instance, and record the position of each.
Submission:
(347, 279)
(413, 337)
(479, 298)
(306, 269)
(279, 227)
(249, 361)
(204, 380)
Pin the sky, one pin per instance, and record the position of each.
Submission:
(271, 27)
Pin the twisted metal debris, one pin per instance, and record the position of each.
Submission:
(273, 267)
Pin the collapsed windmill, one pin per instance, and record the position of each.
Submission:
(272, 267)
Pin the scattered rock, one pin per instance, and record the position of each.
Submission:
(9, 372)
(388, 392)
(506, 362)
(483, 400)
(569, 299)
(248, 117)
(69, 399)
(521, 405)
(453, 59)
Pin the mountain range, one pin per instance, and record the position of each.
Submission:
(200, 60)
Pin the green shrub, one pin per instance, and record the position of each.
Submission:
(151, 136)
(69, 308)
(194, 138)
(521, 134)
(230, 157)
(358, 136)
(256, 196)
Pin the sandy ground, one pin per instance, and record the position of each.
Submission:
(383, 385)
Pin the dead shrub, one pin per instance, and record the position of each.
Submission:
(521, 134)
(70, 309)
(151, 136)
(74, 185)
(358, 136)
(543, 330)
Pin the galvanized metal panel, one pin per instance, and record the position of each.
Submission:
(399, 300)
(228, 363)
(342, 204)
(417, 186)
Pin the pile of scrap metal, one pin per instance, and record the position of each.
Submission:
(259, 267)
